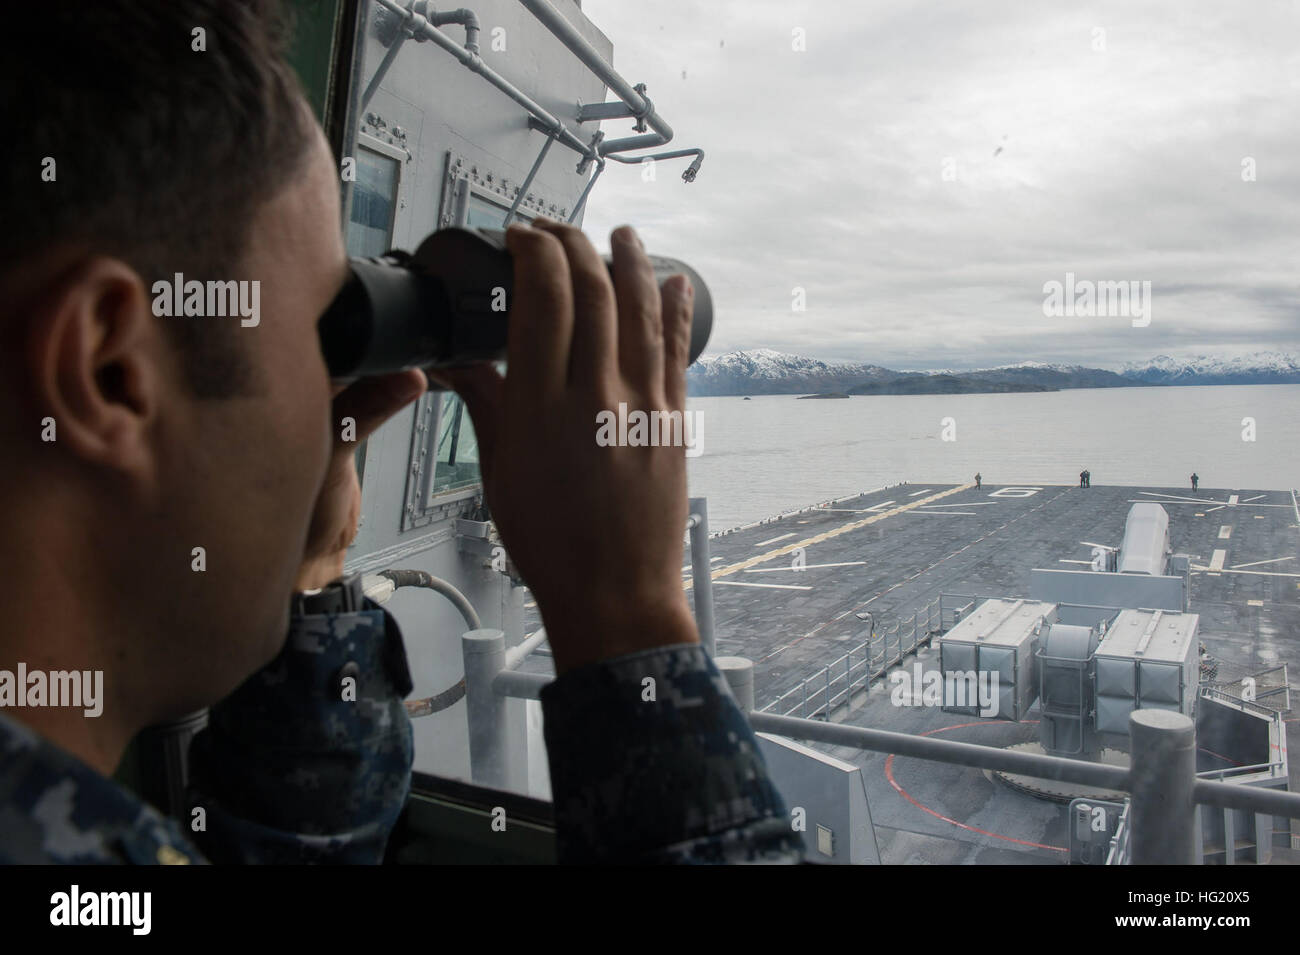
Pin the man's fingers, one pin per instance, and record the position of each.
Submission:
(372, 401)
(678, 306)
(640, 323)
(541, 316)
(595, 333)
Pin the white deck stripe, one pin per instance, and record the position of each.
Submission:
(826, 535)
(775, 570)
(774, 540)
(876, 507)
(1225, 531)
(1258, 573)
(1256, 563)
(919, 493)
(947, 513)
(737, 583)
(1232, 500)
(1216, 562)
(1175, 497)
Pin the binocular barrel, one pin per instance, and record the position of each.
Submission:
(448, 304)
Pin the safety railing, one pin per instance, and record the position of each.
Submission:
(1274, 768)
(818, 695)
(1161, 779)
(1262, 710)
(1159, 825)
(1119, 843)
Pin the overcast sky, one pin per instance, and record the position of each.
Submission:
(825, 171)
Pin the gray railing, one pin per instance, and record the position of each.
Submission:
(1119, 843)
(1162, 782)
(834, 684)
(1159, 825)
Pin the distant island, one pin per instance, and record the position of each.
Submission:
(830, 394)
(941, 384)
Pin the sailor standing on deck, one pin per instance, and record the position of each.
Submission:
(977, 481)
(1195, 480)
(1083, 477)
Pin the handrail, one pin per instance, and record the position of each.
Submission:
(876, 661)
(1259, 709)
(1226, 795)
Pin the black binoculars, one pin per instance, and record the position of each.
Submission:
(448, 304)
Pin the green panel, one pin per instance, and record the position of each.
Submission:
(315, 26)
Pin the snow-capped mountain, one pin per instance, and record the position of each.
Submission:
(763, 371)
(1269, 367)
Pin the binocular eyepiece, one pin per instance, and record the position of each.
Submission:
(448, 304)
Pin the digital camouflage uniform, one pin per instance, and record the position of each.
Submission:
(289, 771)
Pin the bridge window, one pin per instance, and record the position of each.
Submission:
(373, 203)
(456, 465)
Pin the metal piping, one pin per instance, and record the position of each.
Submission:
(943, 750)
(635, 103)
(528, 181)
(635, 99)
(586, 191)
(687, 176)
(420, 27)
(403, 34)
(463, 16)
(521, 686)
(517, 654)
(698, 523)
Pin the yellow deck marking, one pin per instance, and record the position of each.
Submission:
(836, 532)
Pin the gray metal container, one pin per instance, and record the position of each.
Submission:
(997, 641)
(1147, 660)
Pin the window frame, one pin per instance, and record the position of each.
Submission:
(424, 503)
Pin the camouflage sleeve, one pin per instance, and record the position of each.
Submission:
(310, 759)
(652, 761)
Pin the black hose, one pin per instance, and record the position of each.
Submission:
(419, 578)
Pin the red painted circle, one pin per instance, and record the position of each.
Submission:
(889, 775)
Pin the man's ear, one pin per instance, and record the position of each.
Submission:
(92, 359)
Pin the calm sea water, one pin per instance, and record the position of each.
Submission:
(773, 454)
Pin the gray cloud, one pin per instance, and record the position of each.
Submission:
(825, 171)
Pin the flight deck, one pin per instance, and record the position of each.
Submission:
(795, 592)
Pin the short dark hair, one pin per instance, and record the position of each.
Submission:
(162, 153)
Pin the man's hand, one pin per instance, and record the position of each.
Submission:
(595, 531)
(369, 402)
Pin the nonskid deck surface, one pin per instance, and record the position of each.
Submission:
(894, 550)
